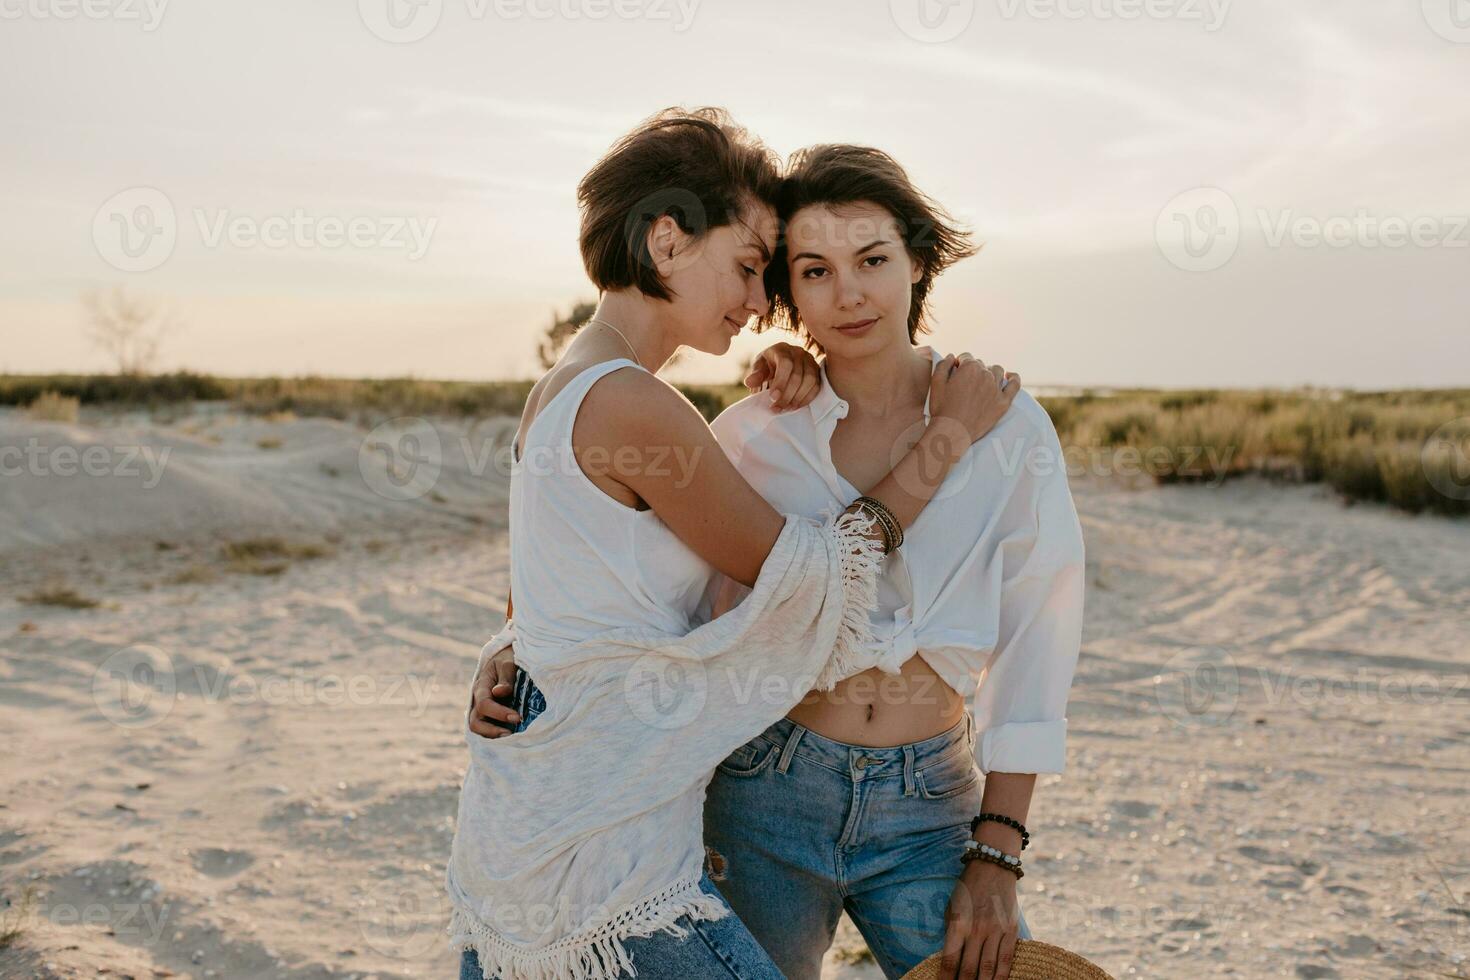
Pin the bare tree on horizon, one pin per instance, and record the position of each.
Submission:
(130, 329)
(563, 329)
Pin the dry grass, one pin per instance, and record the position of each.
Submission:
(12, 922)
(61, 595)
(51, 407)
(270, 555)
(193, 575)
(1410, 450)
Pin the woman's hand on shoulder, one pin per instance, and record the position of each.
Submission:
(967, 394)
(791, 372)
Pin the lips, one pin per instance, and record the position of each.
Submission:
(735, 325)
(856, 326)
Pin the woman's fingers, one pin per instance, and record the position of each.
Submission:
(778, 382)
(493, 719)
(759, 372)
(970, 961)
(1006, 955)
(806, 390)
(505, 679)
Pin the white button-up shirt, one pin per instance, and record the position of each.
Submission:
(988, 585)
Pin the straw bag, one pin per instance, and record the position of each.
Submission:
(1033, 961)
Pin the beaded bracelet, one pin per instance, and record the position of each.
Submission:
(992, 855)
(892, 529)
(1003, 819)
(863, 507)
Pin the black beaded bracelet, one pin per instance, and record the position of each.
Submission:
(1002, 819)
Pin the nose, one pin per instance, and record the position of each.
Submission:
(849, 292)
(757, 302)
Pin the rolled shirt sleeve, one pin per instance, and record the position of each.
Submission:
(1020, 706)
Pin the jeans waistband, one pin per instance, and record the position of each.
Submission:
(871, 762)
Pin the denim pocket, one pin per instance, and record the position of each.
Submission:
(950, 776)
(751, 759)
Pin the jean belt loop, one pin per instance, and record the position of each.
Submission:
(908, 770)
(970, 729)
(789, 749)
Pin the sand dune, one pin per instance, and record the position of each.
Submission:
(256, 775)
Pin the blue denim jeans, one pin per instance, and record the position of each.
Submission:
(723, 948)
(810, 827)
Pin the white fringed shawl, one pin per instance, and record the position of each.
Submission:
(586, 828)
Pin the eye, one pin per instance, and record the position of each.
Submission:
(878, 259)
(815, 272)
(748, 270)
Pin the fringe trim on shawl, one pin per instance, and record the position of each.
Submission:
(862, 561)
(598, 954)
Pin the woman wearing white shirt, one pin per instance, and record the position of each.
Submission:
(578, 852)
(862, 798)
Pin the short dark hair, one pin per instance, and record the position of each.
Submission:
(695, 165)
(837, 174)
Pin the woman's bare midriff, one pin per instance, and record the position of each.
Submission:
(879, 710)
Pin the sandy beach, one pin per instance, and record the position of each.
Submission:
(243, 762)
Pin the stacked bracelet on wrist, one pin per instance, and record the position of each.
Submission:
(1001, 818)
(892, 530)
(976, 851)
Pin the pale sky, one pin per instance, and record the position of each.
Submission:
(1063, 131)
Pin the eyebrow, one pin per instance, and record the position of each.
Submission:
(819, 258)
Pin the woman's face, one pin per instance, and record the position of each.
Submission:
(718, 280)
(851, 277)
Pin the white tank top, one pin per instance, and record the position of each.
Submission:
(581, 562)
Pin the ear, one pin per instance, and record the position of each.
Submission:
(670, 247)
(918, 271)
